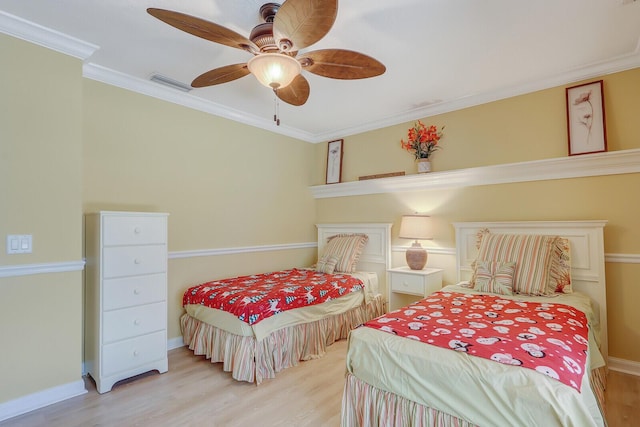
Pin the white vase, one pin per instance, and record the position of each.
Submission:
(424, 165)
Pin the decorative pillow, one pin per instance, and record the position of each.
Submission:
(347, 248)
(327, 264)
(495, 277)
(560, 277)
(531, 254)
(479, 236)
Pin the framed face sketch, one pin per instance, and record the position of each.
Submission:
(585, 119)
(334, 162)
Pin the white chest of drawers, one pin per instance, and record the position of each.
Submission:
(125, 295)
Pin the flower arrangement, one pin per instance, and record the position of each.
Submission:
(422, 140)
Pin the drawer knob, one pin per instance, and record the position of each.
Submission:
(136, 261)
(135, 353)
(137, 230)
(405, 284)
(136, 291)
(136, 322)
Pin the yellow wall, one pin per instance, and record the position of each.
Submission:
(40, 194)
(224, 184)
(523, 128)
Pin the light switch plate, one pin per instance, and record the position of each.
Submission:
(19, 244)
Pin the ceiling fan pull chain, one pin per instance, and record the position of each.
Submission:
(276, 107)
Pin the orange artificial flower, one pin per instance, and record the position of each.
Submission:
(422, 141)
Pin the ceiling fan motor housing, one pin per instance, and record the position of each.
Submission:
(262, 34)
(268, 11)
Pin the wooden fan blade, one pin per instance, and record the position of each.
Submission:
(341, 64)
(204, 29)
(301, 23)
(296, 93)
(221, 75)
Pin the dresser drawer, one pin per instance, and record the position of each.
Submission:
(134, 321)
(407, 283)
(134, 352)
(122, 261)
(134, 230)
(136, 290)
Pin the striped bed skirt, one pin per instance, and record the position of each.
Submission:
(365, 405)
(253, 361)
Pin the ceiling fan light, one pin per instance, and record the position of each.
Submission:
(274, 70)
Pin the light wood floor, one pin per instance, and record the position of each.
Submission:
(197, 393)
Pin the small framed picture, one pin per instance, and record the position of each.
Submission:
(585, 119)
(334, 162)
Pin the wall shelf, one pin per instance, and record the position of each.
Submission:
(608, 163)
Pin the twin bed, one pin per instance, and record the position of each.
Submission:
(396, 373)
(257, 348)
(393, 380)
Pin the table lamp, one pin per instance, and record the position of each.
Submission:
(415, 227)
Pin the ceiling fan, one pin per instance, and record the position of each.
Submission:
(275, 44)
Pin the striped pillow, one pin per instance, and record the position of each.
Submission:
(531, 254)
(560, 280)
(495, 277)
(327, 264)
(347, 248)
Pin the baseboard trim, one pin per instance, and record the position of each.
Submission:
(174, 343)
(625, 366)
(40, 399)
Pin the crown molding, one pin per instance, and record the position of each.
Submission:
(115, 78)
(608, 163)
(51, 39)
(156, 90)
(566, 77)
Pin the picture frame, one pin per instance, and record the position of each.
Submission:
(334, 161)
(586, 119)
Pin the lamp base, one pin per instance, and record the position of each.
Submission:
(416, 256)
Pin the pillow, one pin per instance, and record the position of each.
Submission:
(479, 236)
(347, 248)
(327, 264)
(560, 280)
(531, 254)
(495, 277)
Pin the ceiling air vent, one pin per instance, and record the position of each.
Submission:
(163, 80)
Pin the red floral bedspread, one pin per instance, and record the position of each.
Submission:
(549, 338)
(257, 297)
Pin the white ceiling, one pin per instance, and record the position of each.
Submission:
(440, 55)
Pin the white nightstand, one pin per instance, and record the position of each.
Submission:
(403, 282)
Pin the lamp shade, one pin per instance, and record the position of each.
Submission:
(415, 227)
(274, 70)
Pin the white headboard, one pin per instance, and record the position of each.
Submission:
(587, 255)
(376, 255)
